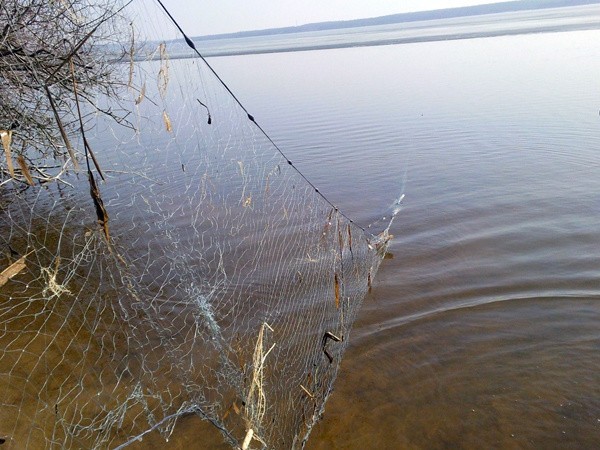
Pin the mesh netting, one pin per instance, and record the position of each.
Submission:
(203, 276)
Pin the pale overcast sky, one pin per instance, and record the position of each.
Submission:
(200, 17)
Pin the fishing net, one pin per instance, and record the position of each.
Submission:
(183, 267)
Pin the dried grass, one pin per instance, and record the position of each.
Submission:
(6, 141)
(13, 270)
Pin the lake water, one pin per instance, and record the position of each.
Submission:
(483, 330)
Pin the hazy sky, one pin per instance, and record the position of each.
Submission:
(199, 17)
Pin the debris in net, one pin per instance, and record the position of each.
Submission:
(94, 160)
(131, 54)
(163, 72)
(25, 170)
(256, 401)
(207, 110)
(382, 240)
(233, 407)
(350, 240)
(52, 286)
(328, 335)
(248, 439)
(337, 291)
(6, 140)
(167, 122)
(340, 237)
(13, 270)
(101, 213)
(397, 206)
(307, 392)
(141, 95)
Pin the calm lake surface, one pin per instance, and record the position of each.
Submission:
(483, 330)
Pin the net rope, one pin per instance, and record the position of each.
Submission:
(203, 276)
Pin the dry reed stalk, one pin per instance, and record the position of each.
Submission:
(6, 141)
(141, 95)
(256, 401)
(167, 121)
(13, 270)
(337, 291)
(163, 73)
(25, 170)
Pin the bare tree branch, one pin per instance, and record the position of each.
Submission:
(39, 40)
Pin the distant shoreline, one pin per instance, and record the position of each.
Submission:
(407, 40)
(542, 20)
(420, 16)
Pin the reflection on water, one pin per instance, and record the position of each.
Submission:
(482, 331)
